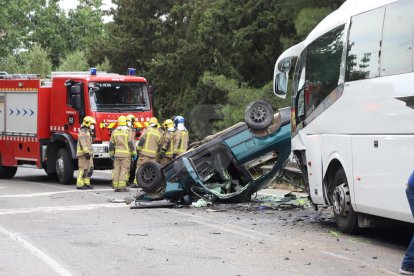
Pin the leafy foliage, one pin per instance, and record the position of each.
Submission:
(308, 18)
(36, 61)
(206, 59)
(75, 61)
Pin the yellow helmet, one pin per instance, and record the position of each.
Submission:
(153, 122)
(122, 120)
(88, 121)
(168, 124)
(131, 118)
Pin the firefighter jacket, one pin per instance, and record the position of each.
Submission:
(181, 139)
(133, 133)
(167, 144)
(150, 142)
(84, 142)
(121, 144)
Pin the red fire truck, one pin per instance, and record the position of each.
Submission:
(40, 120)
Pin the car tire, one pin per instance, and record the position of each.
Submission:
(258, 115)
(149, 177)
(64, 167)
(7, 172)
(345, 217)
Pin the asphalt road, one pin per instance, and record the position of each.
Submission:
(52, 229)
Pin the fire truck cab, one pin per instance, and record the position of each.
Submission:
(40, 119)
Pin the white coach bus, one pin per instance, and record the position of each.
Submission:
(352, 110)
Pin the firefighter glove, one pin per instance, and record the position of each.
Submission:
(87, 156)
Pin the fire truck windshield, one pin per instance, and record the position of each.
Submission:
(118, 96)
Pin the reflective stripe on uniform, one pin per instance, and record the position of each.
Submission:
(181, 148)
(125, 135)
(170, 148)
(154, 132)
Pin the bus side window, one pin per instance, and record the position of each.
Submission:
(323, 63)
(397, 42)
(364, 45)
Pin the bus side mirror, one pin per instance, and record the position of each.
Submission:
(281, 75)
(280, 85)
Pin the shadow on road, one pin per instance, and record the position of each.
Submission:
(98, 178)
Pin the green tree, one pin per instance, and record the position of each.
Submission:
(16, 23)
(75, 61)
(51, 30)
(308, 18)
(36, 61)
(10, 64)
(104, 66)
(86, 25)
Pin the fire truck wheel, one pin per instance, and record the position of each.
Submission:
(149, 177)
(345, 217)
(52, 175)
(64, 167)
(258, 115)
(7, 172)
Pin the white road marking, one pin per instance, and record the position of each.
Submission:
(59, 269)
(53, 193)
(59, 208)
(342, 257)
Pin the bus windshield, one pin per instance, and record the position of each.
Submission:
(119, 96)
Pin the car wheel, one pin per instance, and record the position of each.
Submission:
(345, 216)
(7, 172)
(64, 167)
(258, 115)
(149, 177)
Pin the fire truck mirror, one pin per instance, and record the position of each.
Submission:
(76, 101)
(75, 89)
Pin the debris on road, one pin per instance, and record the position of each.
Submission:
(162, 203)
(200, 203)
(117, 200)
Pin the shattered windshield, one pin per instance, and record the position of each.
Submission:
(119, 96)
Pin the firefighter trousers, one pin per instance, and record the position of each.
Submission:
(85, 171)
(121, 171)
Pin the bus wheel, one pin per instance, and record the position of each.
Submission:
(7, 172)
(64, 167)
(345, 216)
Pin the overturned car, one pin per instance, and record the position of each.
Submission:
(228, 166)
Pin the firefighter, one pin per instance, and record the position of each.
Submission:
(148, 149)
(131, 177)
(181, 137)
(121, 149)
(84, 153)
(167, 142)
(149, 143)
